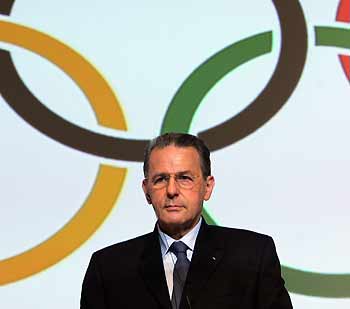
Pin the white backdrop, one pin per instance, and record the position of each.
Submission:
(289, 179)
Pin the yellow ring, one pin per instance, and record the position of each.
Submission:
(109, 180)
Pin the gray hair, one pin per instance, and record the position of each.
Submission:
(179, 140)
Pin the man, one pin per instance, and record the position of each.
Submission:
(184, 263)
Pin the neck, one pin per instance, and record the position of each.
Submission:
(177, 231)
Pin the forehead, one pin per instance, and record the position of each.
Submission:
(173, 159)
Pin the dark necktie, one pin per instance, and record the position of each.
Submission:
(180, 272)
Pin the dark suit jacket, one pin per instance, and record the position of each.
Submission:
(230, 268)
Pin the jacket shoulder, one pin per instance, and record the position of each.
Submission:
(132, 247)
(237, 232)
(239, 237)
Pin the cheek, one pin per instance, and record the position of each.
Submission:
(157, 198)
(192, 199)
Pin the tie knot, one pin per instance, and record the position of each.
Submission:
(178, 247)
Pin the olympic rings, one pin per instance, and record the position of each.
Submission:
(109, 180)
(185, 103)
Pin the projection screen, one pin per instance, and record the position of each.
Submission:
(85, 84)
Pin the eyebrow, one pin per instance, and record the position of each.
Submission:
(167, 174)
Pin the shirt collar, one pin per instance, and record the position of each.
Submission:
(189, 239)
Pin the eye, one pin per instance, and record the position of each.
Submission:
(159, 179)
(185, 178)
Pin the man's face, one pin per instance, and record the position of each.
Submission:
(176, 188)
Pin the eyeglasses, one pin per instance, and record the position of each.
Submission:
(183, 180)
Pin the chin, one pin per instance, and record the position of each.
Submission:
(173, 220)
(176, 221)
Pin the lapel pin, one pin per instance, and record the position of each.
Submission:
(213, 258)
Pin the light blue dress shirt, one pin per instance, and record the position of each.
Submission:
(169, 258)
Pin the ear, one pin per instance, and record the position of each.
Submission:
(145, 190)
(209, 186)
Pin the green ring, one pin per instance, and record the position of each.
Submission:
(331, 36)
(191, 93)
(186, 101)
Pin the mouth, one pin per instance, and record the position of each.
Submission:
(173, 207)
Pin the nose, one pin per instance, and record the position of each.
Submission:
(172, 188)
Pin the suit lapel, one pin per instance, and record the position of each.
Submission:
(207, 254)
(152, 271)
